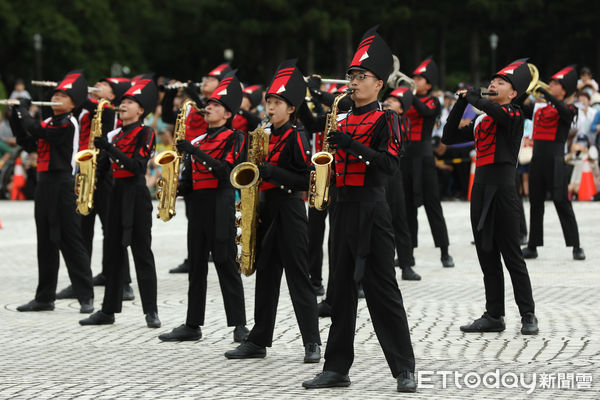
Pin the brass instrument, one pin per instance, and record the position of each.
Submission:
(169, 161)
(398, 78)
(535, 83)
(318, 188)
(85, 181)
(245, 176)
(16, 102)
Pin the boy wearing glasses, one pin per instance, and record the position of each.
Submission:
(367, 144)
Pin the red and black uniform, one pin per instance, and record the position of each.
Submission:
(551, 124)
(363, 244)
(494, 199)
(419, 172)
(102, 192)
(129, 215)
(57, 224)
(282, 242)
(210, 208)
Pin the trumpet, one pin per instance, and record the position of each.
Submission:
(180, 85)
(16, 102)
(535, 83)
(54, 84)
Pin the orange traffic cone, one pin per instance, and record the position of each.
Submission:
(471, 178)
(18, 181)
(587, 187)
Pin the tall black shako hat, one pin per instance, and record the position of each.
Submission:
(75, 86)
(254, 94)
(404, 95)
(145, 92)
(428, 69)
(517, 74)
(288, 83)
(119, 87)
(373, 54)
(567, 77)
(229, 92)
(220, 71)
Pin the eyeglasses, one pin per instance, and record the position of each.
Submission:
(361, 76)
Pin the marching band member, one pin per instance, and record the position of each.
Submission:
(367, 144)
(58, 225)
(211, 211)
(130, 209)
(494, 200)
(110, 89)
(551, 124)
(418, 167)
(282, 242)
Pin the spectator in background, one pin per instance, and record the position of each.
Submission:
(585, 115)
(447, 100)
(581, 151)
(7, 140)
(19, 91)
(595, 126)
(586, 80)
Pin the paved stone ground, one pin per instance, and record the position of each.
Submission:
(48, 355)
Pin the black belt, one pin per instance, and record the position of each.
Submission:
(361, 193)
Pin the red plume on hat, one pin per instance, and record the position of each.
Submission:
(75, 86)
(373, 54)
(229, 92)
(220, 71)
(288, 83)
(567, 77)
(517, 74)
(145, 92)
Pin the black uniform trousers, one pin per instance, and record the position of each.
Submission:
(547, 174)
(316, 234)
(58, 227)
(88, 222)
(129, 223)
(498, 235)
(201, 206)
(283, 244)
(422, 169)
(397, 202)
(382, 294)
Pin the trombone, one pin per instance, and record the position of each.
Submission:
(16, 102)
(54, 84)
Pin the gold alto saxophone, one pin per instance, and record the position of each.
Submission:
(85, 181)
(245, 176)
(169, 161)
(320, 178)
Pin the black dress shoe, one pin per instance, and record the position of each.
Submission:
(128, 293)
(447, 261)
(182, 333)
(35, 305)
(66, 293)
(406, 382)
(319, 290)
(98, 318)
(152, 320)
(324, 309)
(529, 252)
(99, 280)
(486, 323)
(240, 334)
(529, 324)
(312, 353)
(578, 253)
(408, 274)
(246, 350)
(182, 268)
(86, 306)
(327, 379)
